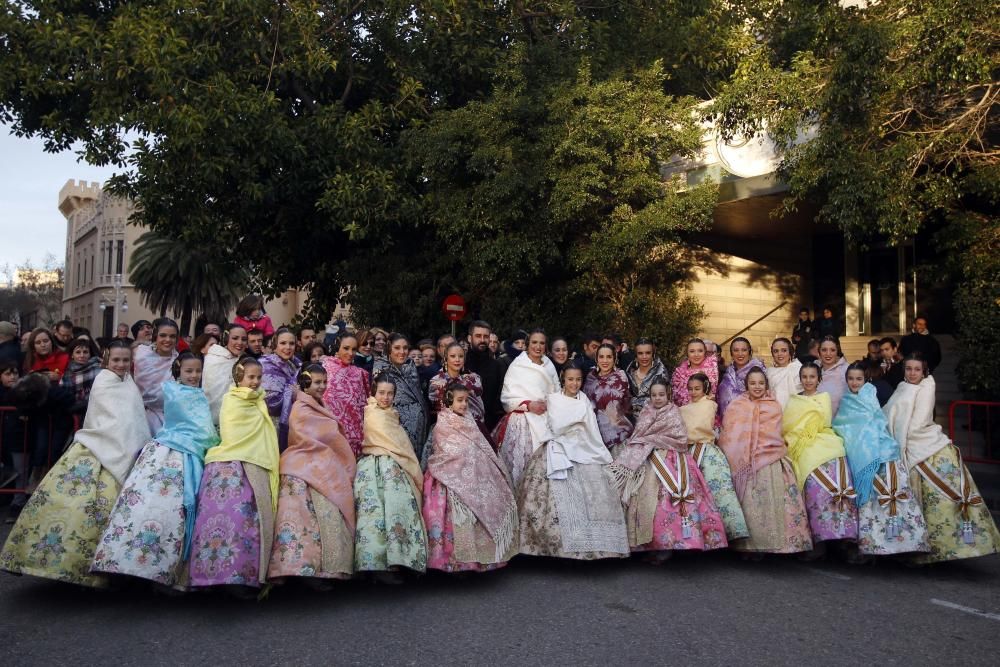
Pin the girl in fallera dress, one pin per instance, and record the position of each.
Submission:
(763, 476)
(668, 504)
(567, 502)
(239, 490)
(390, 534)
(314, 524)
(820, 462)
(58, 531)
(959, 524)
(150, 531)
(699, 419)
(890, 520)
(469, 507)
(783, 374)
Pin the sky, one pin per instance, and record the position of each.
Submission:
(30, 179)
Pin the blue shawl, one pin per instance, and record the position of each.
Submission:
(188, 429)
(865, 430)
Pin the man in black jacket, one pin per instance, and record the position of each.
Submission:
(10, 348)
(892, 362)
(923, 343)
(803, 333)
(480, 360)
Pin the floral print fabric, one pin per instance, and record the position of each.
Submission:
(909, 530)
(145, 536)
(830, 519)
(311, 538)
(390, 530)
(719, 479)
(58, 531)
(613, 401)
(774, 511)
(464, 546)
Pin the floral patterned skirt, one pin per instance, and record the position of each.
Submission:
(57, 532)
(653, 519)
(461, 546)
(145, 537)
(719, 478)
(944, 519)
(538, 512)
(390, 530)
(829, 519)
(311, 538)
(879, 534)
(513, 437)
(775, 512)
(232, 534)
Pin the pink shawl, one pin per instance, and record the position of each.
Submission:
(464, 462)
(319, 455)
(709, 366)
(751, 437)
(656, 428)
(346, 396)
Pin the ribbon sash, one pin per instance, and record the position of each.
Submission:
(839, 488)
(965, 498)
(679, 488)
(889, 493)
(697, 452)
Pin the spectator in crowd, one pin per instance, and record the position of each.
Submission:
(142, 332)
(201, 344)
(482, 361)
(588, 345)
(828, 325)
(305, 336)
(62, 335)
(364, 358)
(874, 351)
(84, 365)
(803, 333)
(444, 341)
(312, 353)
(622, 354)
(255, 343)
(892, 366)
(213, 329)
(251, 316)
(513, 348)
(41, 355)
(494, 344)
(122, 331)
(10, 349)
(923, 343)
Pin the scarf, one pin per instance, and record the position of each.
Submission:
(248, 435)
(188, 429)
(319, 454)
(656, 428)
(385, 436)
(345, 396)
(834, 383)
(151, 371)
(610, 395)
(865, 430)
(699, 417)
(79, 378)
(576, 437)
(751, 437)
(527, 381)
(410, 402)
(910, 412)
(279, 385)
(709, 366)
(471, 381)
(115, 427)
(640, 390)
(465, 463)
(784, 381)
(217, 377)
(806, 429)
(734, 383)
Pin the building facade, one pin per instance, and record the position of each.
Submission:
(99, 243)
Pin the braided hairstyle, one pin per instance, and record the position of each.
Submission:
(240, 367)
(305, 376)
(186, 355)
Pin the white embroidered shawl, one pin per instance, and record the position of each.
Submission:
(576, 436)
(150, 371)
(217, 377)
(910, 412)
(784, 381)
(115, 427)
(528, 381)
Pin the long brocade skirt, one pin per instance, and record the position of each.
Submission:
(311, 537)
(775, 512)
(390, 530)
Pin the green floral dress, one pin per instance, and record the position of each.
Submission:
(944, 517)
(57, 532)
(390, 529)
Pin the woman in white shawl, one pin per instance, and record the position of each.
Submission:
(58, 531)
(959, 524)
(567, 503)
(151, 369)
(217, 376)
(530, 378)
(783, 376)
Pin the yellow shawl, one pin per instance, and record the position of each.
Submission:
(699, 417)
(385, 436)
(248, 435)
(810, 437)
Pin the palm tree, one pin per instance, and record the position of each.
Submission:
(172, 275)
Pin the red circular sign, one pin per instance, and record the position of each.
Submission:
(453, 307)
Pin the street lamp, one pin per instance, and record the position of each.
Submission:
(120, 301)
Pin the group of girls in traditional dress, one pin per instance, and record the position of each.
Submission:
(314, 473)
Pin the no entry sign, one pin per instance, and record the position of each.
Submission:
(453, 307)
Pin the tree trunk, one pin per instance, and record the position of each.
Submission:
(186, 317)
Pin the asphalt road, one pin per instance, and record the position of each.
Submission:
(709, 609)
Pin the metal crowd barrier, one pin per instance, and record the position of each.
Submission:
(976, 435)
(16, 456)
